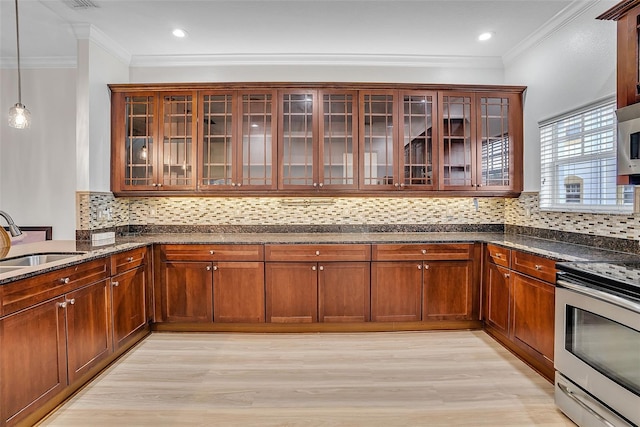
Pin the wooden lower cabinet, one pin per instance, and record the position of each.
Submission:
(238, 292)
(533, 315)
(187, 292)
(88, 328)
(450, 291)
(497, 298)
(344, 292)
(396, 291)
(33, 359)
(129, 305)
(291, 292)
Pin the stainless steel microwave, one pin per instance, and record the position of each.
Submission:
(629, 140)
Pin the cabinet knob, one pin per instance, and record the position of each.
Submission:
(497, 255)
(62, 304)
(538, 267)
(507, 275)
(315, 184)
(65, 280)
(239, 184)
(130, 259)
(321, 185)
(71, 301)
(402, 185)
(208, 268)
(419, 266)
(424, 252)
(116, 284)
(215, 268)
(233, 184)
(321, 268)
(317, 252)
(396, 185)
(426, 266)
(211, 252)
(313, 268)
(154, 185)
(159, 185)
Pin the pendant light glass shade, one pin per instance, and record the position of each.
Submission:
(19, 117)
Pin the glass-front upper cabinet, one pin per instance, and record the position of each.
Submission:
(457, 141)
(178, 148)
(498, 127)
(317, 139)
(378, 139)
(417, 135)
(257, 151)
(138, 142)
(218, 152)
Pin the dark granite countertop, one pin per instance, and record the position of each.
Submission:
(558, 251)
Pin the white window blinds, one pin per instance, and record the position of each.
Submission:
(578, 162)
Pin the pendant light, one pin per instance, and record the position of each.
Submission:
(19, 116)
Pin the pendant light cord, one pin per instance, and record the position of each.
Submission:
(18, 55)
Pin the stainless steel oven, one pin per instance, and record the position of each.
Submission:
(597, 343)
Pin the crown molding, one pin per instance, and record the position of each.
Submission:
(93, 34)
(557, 22)
(420, 61)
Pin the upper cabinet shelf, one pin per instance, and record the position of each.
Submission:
(316, 139)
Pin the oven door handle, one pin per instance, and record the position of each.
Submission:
(583, 404)
(613, 299)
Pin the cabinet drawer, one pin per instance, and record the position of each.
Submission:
(127, 260)
(213, 252)
(418, 252)
(24, 293)
(499, 255)
(533, 265)
(344, 252)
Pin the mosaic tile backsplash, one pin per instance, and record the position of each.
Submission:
(98, 211)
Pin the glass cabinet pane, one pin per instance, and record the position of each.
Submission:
(139, 140)
(297, 139)
(177, 139)
(457, 167)
(417, 139)
(378, 141)
(495, 141)
(338, 166)
(217, 139)
(257, 140)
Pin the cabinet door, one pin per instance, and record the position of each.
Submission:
(257, 152)
(417, 136)
(450, 291)
(457, 141)
(238, 292)
(128, 294)
(396, 290)
(187, 292)
(498, 295)
(298, 139)
(88, 328)
(533, 315)
(291, 292)
(177, 155)
(343, 291)
(133, 147)
(378, 140)
(33, 346)
(338, 156)
(217, 157)
(499, 133)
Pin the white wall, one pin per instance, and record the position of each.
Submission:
(37, 165)
(573, 67)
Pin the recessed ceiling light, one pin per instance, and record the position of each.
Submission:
(485, 36)
(180, 33)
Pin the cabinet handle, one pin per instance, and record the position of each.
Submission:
(130, 259)
(208, 268)
(321, 185)
(419, 266)
(239, 184)
(507, 275)
(211, 252)
(396, 185)
(424, 252)
(62, 304)
(538, 267)
(115, 284)
(65, 280)
(426, 266)
(159, 185)
(315, 184)
(497, 255)
(71, 301)
(154, 185)
(402, 185)
(321, 268)
(215, 268)
(317, 253)
(313, 268)
(233, 184)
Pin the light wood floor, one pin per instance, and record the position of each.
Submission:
(331, 379)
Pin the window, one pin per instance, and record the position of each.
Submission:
(578, 162)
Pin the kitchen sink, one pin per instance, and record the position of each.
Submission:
(34, 259)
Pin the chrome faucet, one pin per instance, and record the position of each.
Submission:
(13, 228)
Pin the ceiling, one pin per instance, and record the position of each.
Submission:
(272, 30)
